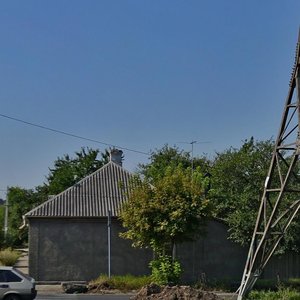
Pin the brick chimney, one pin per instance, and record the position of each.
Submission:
(116, 156)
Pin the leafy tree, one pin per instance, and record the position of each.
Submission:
(238, 177)
(168, 213)
(20, 201)
(67, 171)
(170, 157)
(161, 216)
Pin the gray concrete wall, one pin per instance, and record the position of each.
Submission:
(212, 257)
(76, 250)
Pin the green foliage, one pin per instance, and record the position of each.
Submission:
(169, 213)
(282, 294)
(2, 213)
(8, 257)
(20, 201)
(123, 283)
(165, 270)
(168, 207)
(67, 171)
(237, 180)
(170, 157)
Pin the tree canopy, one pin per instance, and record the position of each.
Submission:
(237, 180)
(170, 157)
(69, 170)
(167, 213)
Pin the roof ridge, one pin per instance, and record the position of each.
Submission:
(80, 182)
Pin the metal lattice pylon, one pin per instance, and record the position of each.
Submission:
(281, 196)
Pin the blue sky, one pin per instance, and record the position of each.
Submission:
(139, 74)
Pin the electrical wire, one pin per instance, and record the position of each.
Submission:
(71, 134)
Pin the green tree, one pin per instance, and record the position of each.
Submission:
(170, 157)
(20, 201)
(161, 216)
(238, 177)
(168, 213)
(67, 170)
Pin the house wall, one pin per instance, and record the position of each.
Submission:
(212, 257)
(76, 250)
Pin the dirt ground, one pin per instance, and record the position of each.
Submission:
(156, 292)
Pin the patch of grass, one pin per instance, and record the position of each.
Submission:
(8, 257)
(281, 294)
(123, 283)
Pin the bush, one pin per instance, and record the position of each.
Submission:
(8, 257)
(165, 270)
(122, 283)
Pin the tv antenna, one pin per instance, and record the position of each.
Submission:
(192, 143)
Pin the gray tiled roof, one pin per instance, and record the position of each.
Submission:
(93, 196)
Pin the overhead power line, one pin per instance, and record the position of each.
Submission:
(71, 134)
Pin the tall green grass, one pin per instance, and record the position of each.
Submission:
(123, 283)
(8, 257)
(281, 294)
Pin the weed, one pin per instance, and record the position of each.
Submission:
(122, 283)
(9, 257)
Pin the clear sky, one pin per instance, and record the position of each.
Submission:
(139, 74)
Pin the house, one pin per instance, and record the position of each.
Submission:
(74, 236)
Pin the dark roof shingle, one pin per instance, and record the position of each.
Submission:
(93, 196)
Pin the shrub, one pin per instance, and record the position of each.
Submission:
(8, 257)
(165, 270)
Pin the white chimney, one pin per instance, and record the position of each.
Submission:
(116, 156)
